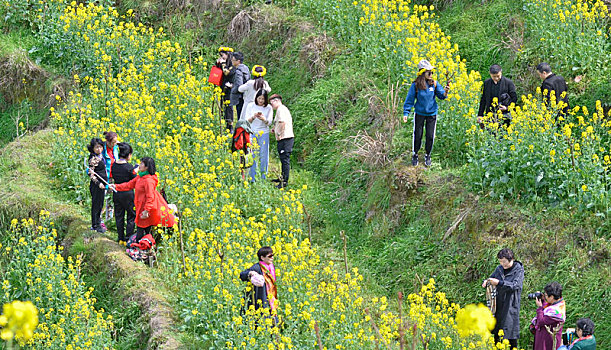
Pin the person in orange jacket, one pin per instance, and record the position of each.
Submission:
(148, 214)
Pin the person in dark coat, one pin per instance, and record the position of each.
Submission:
(262, 276)
(501, 88)
(97, 188)
(122, 172)
(508, 278)
(240, 76)
(224, 63)
(553, 84)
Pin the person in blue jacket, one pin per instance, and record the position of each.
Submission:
(421, 97)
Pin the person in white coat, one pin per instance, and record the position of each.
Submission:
(260, 116)
(252, 86)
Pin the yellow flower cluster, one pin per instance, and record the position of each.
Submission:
(475, 319)
(67, 318)
(18, 319)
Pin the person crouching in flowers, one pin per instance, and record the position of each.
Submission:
(147, 213)
(260, 116)
(262, 275)
(97, 188)
(551, 315)
(423, 92)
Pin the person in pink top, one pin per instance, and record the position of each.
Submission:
(551, 315)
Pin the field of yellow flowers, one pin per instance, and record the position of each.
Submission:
(133, 80)
(59, 312)
(137, 83)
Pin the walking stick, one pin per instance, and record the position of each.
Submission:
(103, 181)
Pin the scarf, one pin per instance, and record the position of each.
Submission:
(269, 272)
(580, 339)
(143, 173)
(556, 310)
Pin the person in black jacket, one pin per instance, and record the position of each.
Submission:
(122, 172)
(501, 88)
(555, 84)
(97, 188)
(224, 62)
(508, 278)
(262, 276)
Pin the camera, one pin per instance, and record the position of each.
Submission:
(535, 295)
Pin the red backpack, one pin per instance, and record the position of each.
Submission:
(241, 140)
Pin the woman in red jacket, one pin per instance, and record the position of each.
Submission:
(147, 212)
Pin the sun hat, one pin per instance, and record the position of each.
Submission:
(426, 65)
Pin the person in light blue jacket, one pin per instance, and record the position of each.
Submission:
(421, 97)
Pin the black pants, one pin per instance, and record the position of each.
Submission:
(513, 343)
(97, 203)
(419, 122)
(124, 204)
(229, 117)
(142, 231)
(285, 148)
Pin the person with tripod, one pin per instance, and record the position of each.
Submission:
(507, 278)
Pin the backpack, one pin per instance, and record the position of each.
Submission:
(241, 140)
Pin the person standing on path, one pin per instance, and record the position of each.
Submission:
(501, 88)
(260, 116)
(224, 63)
(508, 278)
(421, 97)
(553, 84)
(123, 172)
(252, 87)
(551, 315)
(147, 213)
(240, 76)
(283, 129)
(97, 188)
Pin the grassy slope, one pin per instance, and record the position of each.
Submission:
(15, 41)
(394, 235)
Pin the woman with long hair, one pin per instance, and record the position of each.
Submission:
(421, 97)
(260, 116)
(97, 188)
(252, 86)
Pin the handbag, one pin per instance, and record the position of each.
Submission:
(216, 75)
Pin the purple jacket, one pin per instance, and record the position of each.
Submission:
(547, 320)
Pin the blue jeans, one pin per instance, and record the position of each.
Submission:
(261, 155)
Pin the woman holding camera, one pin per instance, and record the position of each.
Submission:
(551, 314)
(260, 116)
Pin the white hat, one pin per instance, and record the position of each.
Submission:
(426, 65)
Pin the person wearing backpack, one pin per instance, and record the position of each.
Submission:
(148, 214)
(252, 87)
(421, 97)
(240, 142)
(123, 172)
(260, 116)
